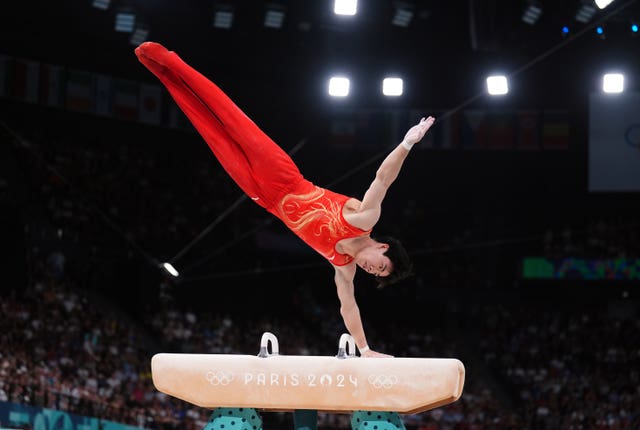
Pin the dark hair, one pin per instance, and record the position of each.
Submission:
(402, 266)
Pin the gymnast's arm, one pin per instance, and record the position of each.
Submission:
(349, 309)
(370, 208)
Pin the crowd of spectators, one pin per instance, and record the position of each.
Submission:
(528, 367)
(559, 367)
(93, 188)
(569, 367)
(616, 236)
(108, 196)
(63, 349)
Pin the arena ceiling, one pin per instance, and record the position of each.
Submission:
(441, 54)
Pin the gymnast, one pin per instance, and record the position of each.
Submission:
(336, 226)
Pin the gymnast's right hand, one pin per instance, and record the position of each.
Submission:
(373, 354)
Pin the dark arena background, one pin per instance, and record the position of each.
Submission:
(520, 212)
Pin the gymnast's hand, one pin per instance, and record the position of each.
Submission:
(373, 354)
(417, 132)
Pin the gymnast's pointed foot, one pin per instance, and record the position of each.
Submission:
(148, 52)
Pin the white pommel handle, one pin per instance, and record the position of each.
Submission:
(267, 338)
(346, 341)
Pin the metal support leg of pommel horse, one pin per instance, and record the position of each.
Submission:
(303, 419)
(234, 419)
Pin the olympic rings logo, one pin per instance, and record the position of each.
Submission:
(383, 381)
(219, 377)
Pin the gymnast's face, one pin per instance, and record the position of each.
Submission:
(372, 260)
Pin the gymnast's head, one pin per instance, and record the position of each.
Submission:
(388, 261)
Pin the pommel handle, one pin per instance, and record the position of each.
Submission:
(346, 342)
(267, 338)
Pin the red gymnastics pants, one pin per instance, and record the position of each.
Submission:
(256, 163)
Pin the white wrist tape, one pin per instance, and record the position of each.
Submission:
(406, 145)
(364, 349)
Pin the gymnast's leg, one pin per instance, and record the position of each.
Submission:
(259, 166)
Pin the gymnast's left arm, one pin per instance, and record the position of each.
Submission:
(388, 171)
(350, 312)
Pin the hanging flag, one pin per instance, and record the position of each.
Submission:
(528, 137)
(555, 130)
(177, 118)
(473, 129)
(150, 104)
(4, 75)
(125, 99)
(373, 127)
(500, 130)
(102, 100)
(343, 130)
(78, 97)
(23, 80)
(445, 133)
(51, 87)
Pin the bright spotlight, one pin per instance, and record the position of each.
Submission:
(101, 4)
(169, 268)
(603, 3)
(339, 86)
(125, 22)
(139, 35)
(273, 19)
(402, 16)
(392, 86)
(585, 13)
(532, 12)
(274, 16)
(223, 15)
(497, 85)
(345, 7)
(613, 83)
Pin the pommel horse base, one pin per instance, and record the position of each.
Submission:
(235, 386)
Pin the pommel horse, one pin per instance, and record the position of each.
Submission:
(375, 390)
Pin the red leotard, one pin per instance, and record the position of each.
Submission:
(315, 215)
(257, 164)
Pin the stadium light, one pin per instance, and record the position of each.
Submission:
(497, 85)
(585, 12)
(403, 14)
(169, 268)
(339, 86)
(532, 12)
(613, 83)
(274, 16)
(603, 3)
(392, 87)
(125, 21)
(223, 16)
(345, 7)
(101, 4)
(140, 34)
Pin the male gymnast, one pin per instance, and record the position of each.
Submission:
(336, 226)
